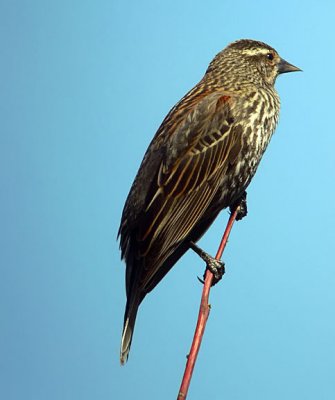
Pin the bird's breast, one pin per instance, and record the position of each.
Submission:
(259, 119)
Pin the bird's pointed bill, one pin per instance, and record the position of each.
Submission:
(284, 67)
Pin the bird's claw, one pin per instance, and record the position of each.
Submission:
(216, 267)
(241, 206)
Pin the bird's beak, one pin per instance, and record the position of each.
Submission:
(284, 66)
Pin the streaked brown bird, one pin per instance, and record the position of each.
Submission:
(200, 161)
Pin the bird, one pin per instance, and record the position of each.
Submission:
(200, 161)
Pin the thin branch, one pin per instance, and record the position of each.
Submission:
(203, 314)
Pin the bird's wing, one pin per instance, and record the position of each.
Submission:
(196, 154)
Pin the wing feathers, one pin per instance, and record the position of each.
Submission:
(195, 154)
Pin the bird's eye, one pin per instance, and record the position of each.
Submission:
(269, 56)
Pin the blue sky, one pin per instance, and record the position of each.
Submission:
(84, 86)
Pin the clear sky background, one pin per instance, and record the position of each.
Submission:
(83, 87)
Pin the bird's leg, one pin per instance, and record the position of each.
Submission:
(217, 267)
(241, 205)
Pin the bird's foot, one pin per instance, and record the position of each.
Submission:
(216, 267)
(241, 206)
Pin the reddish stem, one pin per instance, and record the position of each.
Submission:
(203, 315)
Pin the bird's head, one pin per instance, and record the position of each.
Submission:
(250, 61)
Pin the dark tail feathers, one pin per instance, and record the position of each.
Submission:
(128, 327)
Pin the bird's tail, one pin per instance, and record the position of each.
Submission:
(128, 327)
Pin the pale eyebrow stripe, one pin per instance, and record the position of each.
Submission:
(254, 52)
